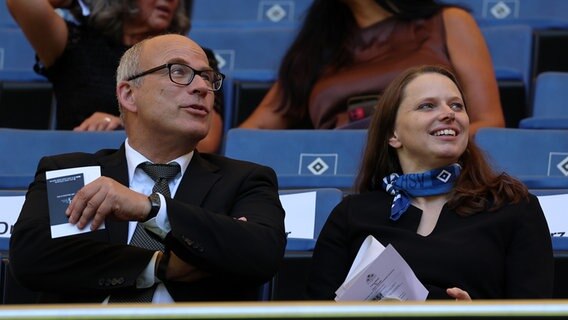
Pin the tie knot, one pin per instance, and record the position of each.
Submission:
(158, 171)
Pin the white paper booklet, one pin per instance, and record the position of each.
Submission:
(61, 187)
(380, 273)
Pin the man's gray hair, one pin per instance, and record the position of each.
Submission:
(130, 63)
(128, 67)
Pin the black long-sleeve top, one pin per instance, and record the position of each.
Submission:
(491, 255)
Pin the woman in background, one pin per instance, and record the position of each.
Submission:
(370, 43)
(80, 57)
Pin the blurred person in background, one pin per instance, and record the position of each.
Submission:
(80, 57)
(331, 76)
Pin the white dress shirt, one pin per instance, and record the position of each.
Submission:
(160, 225)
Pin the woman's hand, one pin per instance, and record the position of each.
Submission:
(100, 121)
(458, 294)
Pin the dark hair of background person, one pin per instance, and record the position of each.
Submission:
(306, 59)
(107, 16)
(478, 187)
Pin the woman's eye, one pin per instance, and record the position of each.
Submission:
(425, 106)
(457, 106)
(206, 76)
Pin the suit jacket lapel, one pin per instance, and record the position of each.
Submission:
(114, 166)
(198, 179)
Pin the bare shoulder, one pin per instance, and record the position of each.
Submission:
(454, 16)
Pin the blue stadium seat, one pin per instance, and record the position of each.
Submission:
(511, 51)
(6, 19)
(206, 13)
(326, 200)
(17, 57)
(22, 150)
(539, 158)
(245, 53)
(302, 158)
(247, 48)
(535, 13)
(550, 105)
(547, 18)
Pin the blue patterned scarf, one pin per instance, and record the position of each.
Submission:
(429, 183)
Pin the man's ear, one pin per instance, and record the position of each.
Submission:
(125, 96)
(394, 142)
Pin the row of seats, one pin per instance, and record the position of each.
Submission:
(321, 161)
(204, 12)
(251, 53)
(301, 158)
(331, 158)
(538, 13)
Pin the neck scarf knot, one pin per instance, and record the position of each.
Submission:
(429, 183)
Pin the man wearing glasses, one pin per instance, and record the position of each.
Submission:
(214, 227)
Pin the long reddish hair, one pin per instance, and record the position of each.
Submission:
(478, 187)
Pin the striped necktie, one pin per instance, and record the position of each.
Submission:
(161, 174)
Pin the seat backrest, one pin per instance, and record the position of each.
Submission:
(262, 12)
(511, 48)
(6, 19)
(17, 57)
(22, 149)
(302, 158)
(535, 13)
(246, 48)
(325, 200)
(549, 108)
(244, 52)
(551, 95)
(537, 157)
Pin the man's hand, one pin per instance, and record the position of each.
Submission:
(458, 294)
(106, 197)
(100, 121)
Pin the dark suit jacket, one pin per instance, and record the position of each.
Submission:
(213, 192)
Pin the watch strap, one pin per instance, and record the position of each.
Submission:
(155, 205)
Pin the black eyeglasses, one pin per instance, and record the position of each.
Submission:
(183, 74)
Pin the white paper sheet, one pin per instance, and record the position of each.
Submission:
(555, 209)
(300, 211)
(380, 273)
(10, 210)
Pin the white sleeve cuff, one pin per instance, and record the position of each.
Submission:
(160, 225)
(147, 277)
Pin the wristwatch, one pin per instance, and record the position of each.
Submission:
(155, 204)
